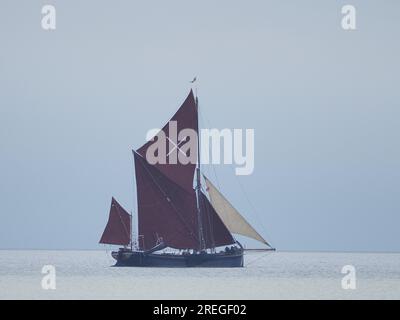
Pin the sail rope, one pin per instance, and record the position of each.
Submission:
(107, 251)
(135, 223)
(216, 179)
(210, 221)
(208, 123)
(253, 209)
(259, 258)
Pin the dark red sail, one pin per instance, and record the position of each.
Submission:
(214, 230)
(118, 229)
(166, 210)
(167, 206)
(186, 118)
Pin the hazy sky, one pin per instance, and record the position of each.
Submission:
(324, 104)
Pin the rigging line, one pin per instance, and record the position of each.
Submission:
(209, 218)
(172, 205)
(259, 258)
(134, 201)
(253, 208)
(206, 122)
(205, 119)
(107, 253)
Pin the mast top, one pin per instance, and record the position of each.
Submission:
(195, 88)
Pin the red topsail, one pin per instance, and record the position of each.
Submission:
(185, 118)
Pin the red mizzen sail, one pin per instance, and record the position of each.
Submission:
(118, 229)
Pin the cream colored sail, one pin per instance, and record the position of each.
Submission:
(232, 219)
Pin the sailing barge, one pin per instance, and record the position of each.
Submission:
(177, 224)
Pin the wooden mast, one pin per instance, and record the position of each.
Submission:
(198, 182)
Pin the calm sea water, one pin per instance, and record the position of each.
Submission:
(280, 275)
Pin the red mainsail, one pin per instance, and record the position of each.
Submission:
(165, 209)
(169, 212)
(118, 229)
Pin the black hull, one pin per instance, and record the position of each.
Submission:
(205, 260)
